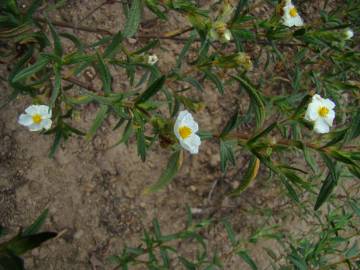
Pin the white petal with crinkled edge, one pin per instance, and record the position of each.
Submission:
(312, 113)
(32, 109)
(46, 123)
(35, 127)
(330, 118)
(328, 104)
(191, 144)
(44, 111)
(321, 126)
(25, 119)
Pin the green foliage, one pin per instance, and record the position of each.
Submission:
(24, 241)
(286, 68)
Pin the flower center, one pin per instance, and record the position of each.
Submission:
(36, 118)
(185, 132)
(323, 111)
(293, 12)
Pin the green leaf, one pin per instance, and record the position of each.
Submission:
(26, 72)
(57, 42)
(230, 232)
(256, 100)
(151, 90)
(114, 45)
(188, 265)
(262, 133)
(32, 9)
(291, 191)
(104, 73)
(239, 8)
(327, 188)
(233, 122)
(298, 262)
(21, 244)
(153, 6)
(57, 86)
(245, 256)
(171, 170)
(215, 79)
(141, 145)
(226, 154)
(99, 119)
(74, 39)
(354, 129)
(250, 175)
(35, 227)
(133, 19)
(9, 261)
(56, 143)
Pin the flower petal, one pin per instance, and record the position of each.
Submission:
(35, 127)
(321, 126)
(191, 144)
(32, 109)
(46, 124)
(25, 120)
(312, 111)
(330, 118)
(44, 111)
(298, 21)
(328, 104)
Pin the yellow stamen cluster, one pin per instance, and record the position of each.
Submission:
(323, 111)
(293, 12)
(37, 118)
(185, 132)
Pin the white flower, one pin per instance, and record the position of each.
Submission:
(291, 16)
(36, 117)
(152, 60)
(321, 112)
(185, 129)
(349, 33)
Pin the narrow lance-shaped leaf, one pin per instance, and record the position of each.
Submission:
(326, 189)
(21, 244)
(26, 72)
(246, 257)
(171, 170)
(114, 45)
(10, 261)
(133, 19)
(99, 119)
(256, 100)
(226, 154)
(233, 122)
(151, 90)
(250, 175)
(58, 50)
(32, 9)
(104, 73)
(57, 86)
(35, 227)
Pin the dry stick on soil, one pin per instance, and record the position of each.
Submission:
(170, 37)
(81, 84)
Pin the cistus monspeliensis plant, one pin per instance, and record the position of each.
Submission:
(299, 71)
